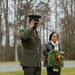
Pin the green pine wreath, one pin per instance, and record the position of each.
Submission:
(52, 61)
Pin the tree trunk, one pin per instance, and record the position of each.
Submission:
(43, 33)
(15, 31)
(56, 15)
(47, 22)
(7, 32)
(26, 12)
(0, 32)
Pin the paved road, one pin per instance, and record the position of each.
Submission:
(10, 67)
(69, 64)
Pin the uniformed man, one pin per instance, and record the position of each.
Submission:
(31, 54)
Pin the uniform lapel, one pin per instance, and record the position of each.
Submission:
(35, 34)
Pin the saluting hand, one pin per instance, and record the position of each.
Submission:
(31, 23)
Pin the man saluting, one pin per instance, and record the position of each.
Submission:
(31, 54)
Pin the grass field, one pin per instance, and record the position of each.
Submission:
(64, 71)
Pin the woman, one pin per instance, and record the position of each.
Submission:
(52, 44)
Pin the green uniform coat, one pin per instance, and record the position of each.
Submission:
(31, 53)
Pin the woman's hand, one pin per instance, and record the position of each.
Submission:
(61, 52)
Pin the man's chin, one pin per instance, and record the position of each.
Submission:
(34, 28)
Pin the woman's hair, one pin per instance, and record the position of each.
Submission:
(50, 36)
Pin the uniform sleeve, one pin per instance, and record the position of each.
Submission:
(45, 51)
(26, 33)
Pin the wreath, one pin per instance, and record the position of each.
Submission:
(55, 60)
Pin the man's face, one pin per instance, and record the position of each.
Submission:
(35, 26)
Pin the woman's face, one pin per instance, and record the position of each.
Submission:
(54, 38)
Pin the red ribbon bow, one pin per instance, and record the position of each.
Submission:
(57, 57)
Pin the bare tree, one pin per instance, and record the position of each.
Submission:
(7, 31)
(47, 21)
(56, 15)
(15, 30)
(0, 30)
(26, 12)
(68, 25)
